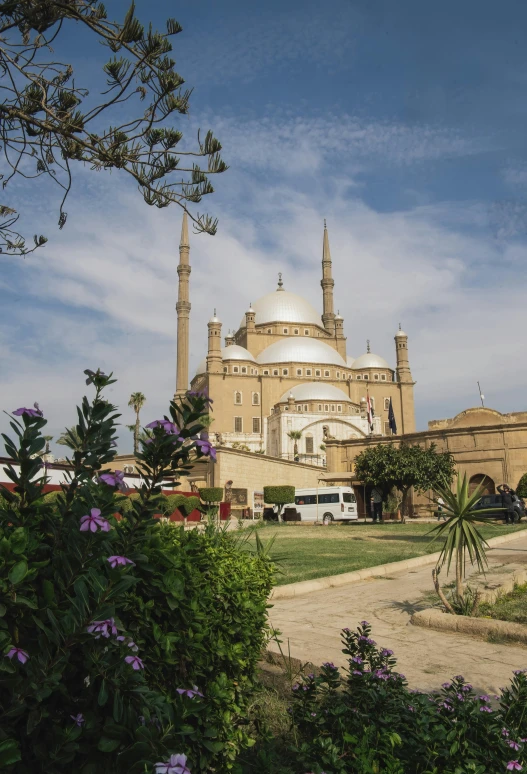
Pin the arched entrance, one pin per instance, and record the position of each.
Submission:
(480, 479)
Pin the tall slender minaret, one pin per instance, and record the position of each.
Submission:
(183, 310)
(327, 283)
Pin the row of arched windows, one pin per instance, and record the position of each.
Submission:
(238, 398)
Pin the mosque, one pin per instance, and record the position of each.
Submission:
(283, 384)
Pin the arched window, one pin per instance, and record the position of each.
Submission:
(256, 398)
(486, 482)
(309, 444)
(238, 398)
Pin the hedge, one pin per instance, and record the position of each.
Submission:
(211, 494)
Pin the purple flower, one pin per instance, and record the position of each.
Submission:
(21, 655)
(445, 685)
(135, 662)
(485, 709)
(357, 659)
(357, 673)
(504, 732)
(176, 765)
(169, 427)
(116, 561)
(92, 374)
(128, 641)
(329, 665)
(79, 719)
(34, 412)
(514, 766)
(484, 698)
(387, 652)
(313, 714)
(92, 521)
(203, 394)
(364, 623)
(459, 677)
(205, 446)
(411, 708)
(514, 745)
(295, 687)
(115, 479)
(102, 628)
(466, 687)
(189, 692)
(519, 671)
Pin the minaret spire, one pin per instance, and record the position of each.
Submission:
(183, 310)
(327, 283)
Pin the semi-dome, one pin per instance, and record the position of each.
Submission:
(231, 352)
(369, 360)
(315, 391)
(235, 352)
(300, 350)
(282, 306)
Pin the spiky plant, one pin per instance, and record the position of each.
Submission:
(462, 537)
(295, 435)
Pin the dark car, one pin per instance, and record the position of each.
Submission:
(495, 501)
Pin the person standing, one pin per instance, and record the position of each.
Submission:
(376, 505)
(507, 503)
(440, 512)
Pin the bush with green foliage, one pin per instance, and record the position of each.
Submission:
(521, 489)
(122, 642)
(185, 505)
(368, 721)
(211, 494)
(279, 495)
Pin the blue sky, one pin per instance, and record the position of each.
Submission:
(403, 124)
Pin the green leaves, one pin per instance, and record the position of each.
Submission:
(9, 752)
(18, 572)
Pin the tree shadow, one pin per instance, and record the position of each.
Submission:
(406, 538)
(409, 607)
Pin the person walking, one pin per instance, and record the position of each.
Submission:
(440, 512)
(376, 505)
(507, 503)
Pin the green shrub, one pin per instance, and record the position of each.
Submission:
(183, 504)
(279, 495)
(211, 494)
(122, 642)
(521, 489)
(369, 721)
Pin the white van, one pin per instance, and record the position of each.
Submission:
(326, 504)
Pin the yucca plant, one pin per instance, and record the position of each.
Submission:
(462, 536)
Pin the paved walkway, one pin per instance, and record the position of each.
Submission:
(312, 624)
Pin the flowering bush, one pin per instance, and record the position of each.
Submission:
(367, 721)
(125, 645)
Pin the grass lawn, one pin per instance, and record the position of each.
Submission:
(510, 607)
(303, 553)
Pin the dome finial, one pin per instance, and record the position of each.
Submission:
(368, 346)
(280, 283)
(400, 326)
(214, 312)
(324, 224)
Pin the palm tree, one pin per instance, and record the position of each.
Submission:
(295, 435)
(70, 438)
(462, 535)
(137, 401)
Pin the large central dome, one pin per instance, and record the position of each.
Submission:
(300, 350)
(282, 306)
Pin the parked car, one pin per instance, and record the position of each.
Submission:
(495, 501)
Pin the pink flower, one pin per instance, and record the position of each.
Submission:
(485, 709)
(513, 745)
(79, 719)
(92, 522)
(128, 641)
(169, 427)
(514, 766)
(102, 628)
(115, 479)
(135, 662)
(21, 655)
(116, 561)
(189, 692)
(176, 765)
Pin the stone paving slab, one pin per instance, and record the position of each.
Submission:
(312, 624)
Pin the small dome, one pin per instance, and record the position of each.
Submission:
(369, 360)
(315, 391)
(349, 361)
(338, 316)
(231, 352)
(400, 333)
(250, 310)
(282, 306)
(235, 352)
(214, 318)
(300, 350)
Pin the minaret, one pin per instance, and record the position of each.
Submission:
(327, 283)
(214, 360)
(183, 311)
(405, 383)
(339, 335)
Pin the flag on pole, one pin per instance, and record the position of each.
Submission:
(391, 419)
(370, 412)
